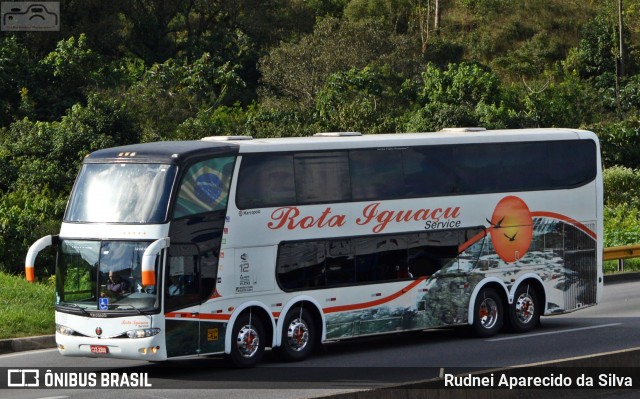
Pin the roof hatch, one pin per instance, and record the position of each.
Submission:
(337, 134)
(227, 138)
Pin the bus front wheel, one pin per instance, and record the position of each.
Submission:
(248, 337)
(524, 312)
(298, 335)
(488, 313)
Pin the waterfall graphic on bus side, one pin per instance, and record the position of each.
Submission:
(562, 253)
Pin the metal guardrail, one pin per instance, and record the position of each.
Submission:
(622, 253)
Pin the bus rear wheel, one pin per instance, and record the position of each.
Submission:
(298, 335)
(524, 312)
(248, 338)
(488, 313)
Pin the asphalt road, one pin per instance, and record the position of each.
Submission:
(363, 363)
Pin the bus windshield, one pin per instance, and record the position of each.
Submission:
(121, 193)
(102, 275)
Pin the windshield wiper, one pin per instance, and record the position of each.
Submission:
(129, 306)
(69, 306)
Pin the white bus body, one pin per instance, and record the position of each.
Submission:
(233, 245)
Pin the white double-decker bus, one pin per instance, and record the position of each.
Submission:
(230, 245)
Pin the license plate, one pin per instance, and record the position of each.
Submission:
(100, 349)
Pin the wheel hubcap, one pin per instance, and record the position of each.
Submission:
(488, 313)
(525, 308)
(297, 335)
(248, 341)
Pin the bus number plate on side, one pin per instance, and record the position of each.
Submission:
(100, 349)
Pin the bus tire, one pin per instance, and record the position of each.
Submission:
(248, 344)
(524, 312)
(488, 313)
(298, 335)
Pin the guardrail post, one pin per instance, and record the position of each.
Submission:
(620, 265)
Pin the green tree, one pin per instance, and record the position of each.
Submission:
(365, 100)
(286, 120)
(15, 71)
(564, 102)
(65, 77)
(25, 216)
(465, 94)
(464, 83)
(394, 13)
(621, 186)
(174, 91)
(621, 225)
(220, 121)
(596, 51)
(297, 71)
(619, 142)
(46, 155)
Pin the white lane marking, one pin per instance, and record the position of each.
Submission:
(553, 332)
(22, 353)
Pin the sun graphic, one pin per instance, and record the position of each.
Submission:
(511, 228)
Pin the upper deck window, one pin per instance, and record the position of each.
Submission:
(121, 193)
(375, 174)
(267, 180)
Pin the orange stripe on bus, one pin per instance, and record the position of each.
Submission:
(198, 316)
(472, 240)
(567, 219)
(377, 302)
(148, 278)
(551, 215)
(31, 273)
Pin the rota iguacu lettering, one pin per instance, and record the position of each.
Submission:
(290, 217)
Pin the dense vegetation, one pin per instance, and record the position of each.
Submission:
(123, 71)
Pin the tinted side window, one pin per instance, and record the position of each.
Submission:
(381, 258)
(266, 180)
(303, 265)
(322, 177)
(340, 265)
(572, 163)
(429, 171)
(376, 174)
(520, 166)
(379, 174)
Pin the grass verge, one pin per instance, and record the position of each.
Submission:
(26, 309)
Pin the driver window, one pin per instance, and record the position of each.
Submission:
(182, 277)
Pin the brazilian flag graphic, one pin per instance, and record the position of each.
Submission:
(205, 187)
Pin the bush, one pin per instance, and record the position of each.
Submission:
(26, 216)
(621, 186)
(620, 142)
(621, 225)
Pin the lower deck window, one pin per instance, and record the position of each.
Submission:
(360, 260)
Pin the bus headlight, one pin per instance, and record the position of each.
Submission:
(143, 332)
(64, 330)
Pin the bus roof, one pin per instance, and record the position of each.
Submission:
(167, 152)
(174, 152)
(333, 141)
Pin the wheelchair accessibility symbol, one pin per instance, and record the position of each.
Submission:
(103, 303)
(30, 16)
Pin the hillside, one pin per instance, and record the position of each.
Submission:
(122, 72)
